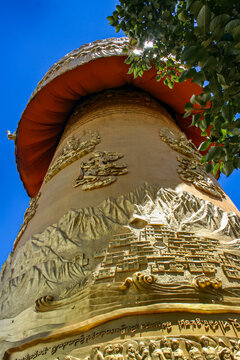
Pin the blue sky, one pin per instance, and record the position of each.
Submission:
(34, 35)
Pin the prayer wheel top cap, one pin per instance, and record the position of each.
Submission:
(87, 70)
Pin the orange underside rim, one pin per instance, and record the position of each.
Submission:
(45, 116)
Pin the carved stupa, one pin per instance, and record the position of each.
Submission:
(128, 250)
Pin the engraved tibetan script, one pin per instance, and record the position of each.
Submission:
(72, 151)
(166, 347)
(100, 170)
(190, 168)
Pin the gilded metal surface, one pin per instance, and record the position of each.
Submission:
(145, 282)
(169, 246)
(193, 172)
(190, 168)
(84, 54)
(72, 151)
(140, 277)
(175, 321)
(165, 260)
(28, 215)
(172, 247)
(165, 348)
(164, 237)
(100, 170)
(179, 143)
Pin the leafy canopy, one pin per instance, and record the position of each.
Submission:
(198, 40)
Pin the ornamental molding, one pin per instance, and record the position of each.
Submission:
(84, 54)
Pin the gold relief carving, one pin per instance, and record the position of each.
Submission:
(72, 151)
(186, 332)
(36, 354)
(173, 250)
(179, 143)
(139, 282)
(43, 302)
(28, 215)
(177, 353)
(231, 272)
(159, 250)
(190, 168)
(204, 282)
(158, 348)
(84, 54)
(235, 347)
(193, 351)
(164, 348)
(194, 173)
(108, 352)
(210, 352)
(100, 170)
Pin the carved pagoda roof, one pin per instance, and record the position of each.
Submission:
(87, 70)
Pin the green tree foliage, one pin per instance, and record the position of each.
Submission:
(199, 40)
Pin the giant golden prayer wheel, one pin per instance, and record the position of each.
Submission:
(129, 249)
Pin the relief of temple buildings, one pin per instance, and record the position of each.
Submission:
(70, 256)
(162, 251)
